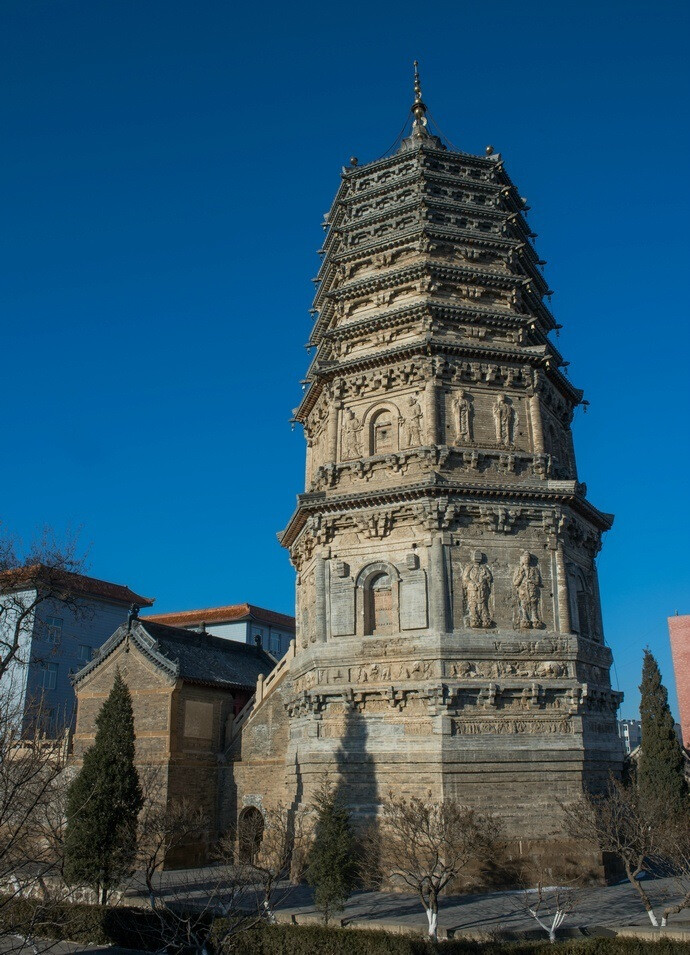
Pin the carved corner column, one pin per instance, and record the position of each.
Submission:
(563, 600)
(431, 392)
(333, 431)
(320, 604)
(537, 425)
(308, 467)
(438, 587)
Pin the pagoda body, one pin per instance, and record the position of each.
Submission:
(449, 633)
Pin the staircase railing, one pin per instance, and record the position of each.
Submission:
(264, 687)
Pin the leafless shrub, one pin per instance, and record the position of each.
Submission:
(615, 821)
(425, 845)
(251, 875)
(550, 900)
(31, 822)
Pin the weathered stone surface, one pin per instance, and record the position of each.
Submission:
(449, 625)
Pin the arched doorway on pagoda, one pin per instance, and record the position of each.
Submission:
(250, 832)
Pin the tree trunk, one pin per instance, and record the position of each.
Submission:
(643, 895)
(432, 918)
(674, 909)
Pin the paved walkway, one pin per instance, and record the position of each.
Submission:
(606, 906)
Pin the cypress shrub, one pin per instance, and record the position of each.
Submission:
(104, 800)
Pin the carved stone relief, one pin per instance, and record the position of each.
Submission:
(463, 417)
(352, 435)
(528, 583)
(477, 580)
(411, 424)
(504, 420)
(510, 727)
(497, 669)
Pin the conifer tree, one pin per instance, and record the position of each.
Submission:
(660, 773)
(332, 870)
(104, 800)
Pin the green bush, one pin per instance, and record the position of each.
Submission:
(126, 926)
(138, 928)
(320, 940)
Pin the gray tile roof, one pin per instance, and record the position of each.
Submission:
(189, 655)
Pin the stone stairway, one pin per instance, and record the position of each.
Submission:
(264, 687)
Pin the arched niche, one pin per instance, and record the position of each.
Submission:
(250, 832)
(378, 600)
(382, 428)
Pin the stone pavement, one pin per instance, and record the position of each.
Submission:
(604, 906)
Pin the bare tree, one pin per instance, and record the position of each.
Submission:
(615, 821)
(235, 894)
(31, 794)
(29, 578)
(673, 857)
(278, 843)
(163, 828)
(425, 845)
(550, 905)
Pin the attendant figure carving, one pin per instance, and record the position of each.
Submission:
(412, 424)
(527, 582)
(504, 419)
(463, 410)
(352, 441)
(477, 580)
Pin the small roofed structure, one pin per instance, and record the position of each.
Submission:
(187, 687)
(243, 622)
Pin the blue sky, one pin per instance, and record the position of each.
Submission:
(166, 166)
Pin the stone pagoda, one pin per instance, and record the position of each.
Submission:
(449, 633)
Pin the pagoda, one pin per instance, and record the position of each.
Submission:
(449, 631)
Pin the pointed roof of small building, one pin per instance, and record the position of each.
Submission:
(188, 655)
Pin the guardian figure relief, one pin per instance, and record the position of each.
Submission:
(527, 583)
(352, 435)
(477, 580)
(412, 424)
(463, 412)
(504, 419)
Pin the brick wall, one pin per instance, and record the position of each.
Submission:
(179, 728)
(679, 632)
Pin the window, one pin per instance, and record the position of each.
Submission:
(85, 652)
(49, 676)
(275, 643)
(53, 629)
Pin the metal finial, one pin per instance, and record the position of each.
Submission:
(418, 107)
(417, 83)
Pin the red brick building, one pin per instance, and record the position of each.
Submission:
(679, 632)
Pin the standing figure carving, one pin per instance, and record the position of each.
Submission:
(412, 424)
(352, 429)
(527, 582)
(504, 419)
(463, 410)
(477, 580)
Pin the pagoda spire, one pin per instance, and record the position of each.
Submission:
(418, 108)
